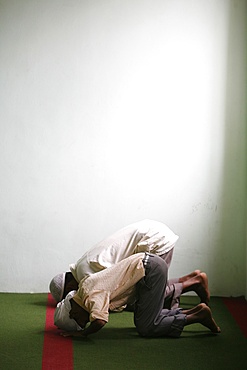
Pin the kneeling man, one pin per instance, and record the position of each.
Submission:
(140, 279)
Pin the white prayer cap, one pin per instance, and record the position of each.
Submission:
(61, 316)
(57, 286)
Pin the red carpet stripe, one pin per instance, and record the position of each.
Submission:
(238, 309)
(57, 350)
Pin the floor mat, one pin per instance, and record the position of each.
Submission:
(28, 339)
(238, 309)
(57, 350)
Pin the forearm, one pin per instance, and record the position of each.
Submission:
(93, 327)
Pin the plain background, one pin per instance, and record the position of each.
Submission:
(114, 111)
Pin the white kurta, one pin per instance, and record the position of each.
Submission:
(143, 236)
(111, 288)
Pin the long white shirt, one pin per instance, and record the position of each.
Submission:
(110, 288)
(143, 236)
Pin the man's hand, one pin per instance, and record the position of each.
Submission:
(95, 326)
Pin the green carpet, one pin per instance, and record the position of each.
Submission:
(22, 330)
(117, 345)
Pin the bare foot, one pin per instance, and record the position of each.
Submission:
(203, 315)
(202, 289)
(198, 284)
(208, 320)
(192, 310)
(189, 276)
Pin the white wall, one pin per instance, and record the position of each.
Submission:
(113, 111)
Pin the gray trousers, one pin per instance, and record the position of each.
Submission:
(173, 287)
(151, 319)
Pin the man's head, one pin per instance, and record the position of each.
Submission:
(57, 286)
(69, 315)
(62, 284)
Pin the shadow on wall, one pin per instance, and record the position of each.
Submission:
(233, 218)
